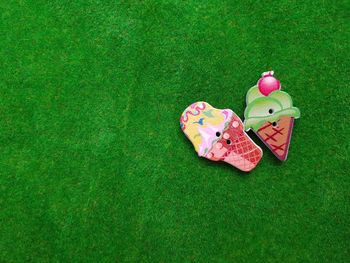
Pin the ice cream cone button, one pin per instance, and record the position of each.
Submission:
(210, 130)
(270, 114)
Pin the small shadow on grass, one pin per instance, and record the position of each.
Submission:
(225, 167)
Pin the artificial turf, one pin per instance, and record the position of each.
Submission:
(95, 168)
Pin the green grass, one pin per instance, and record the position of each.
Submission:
(95, 168)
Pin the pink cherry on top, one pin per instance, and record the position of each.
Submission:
(268, 83)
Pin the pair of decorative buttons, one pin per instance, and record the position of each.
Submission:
(219, 135)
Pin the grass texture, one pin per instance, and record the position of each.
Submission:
(95, 168)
